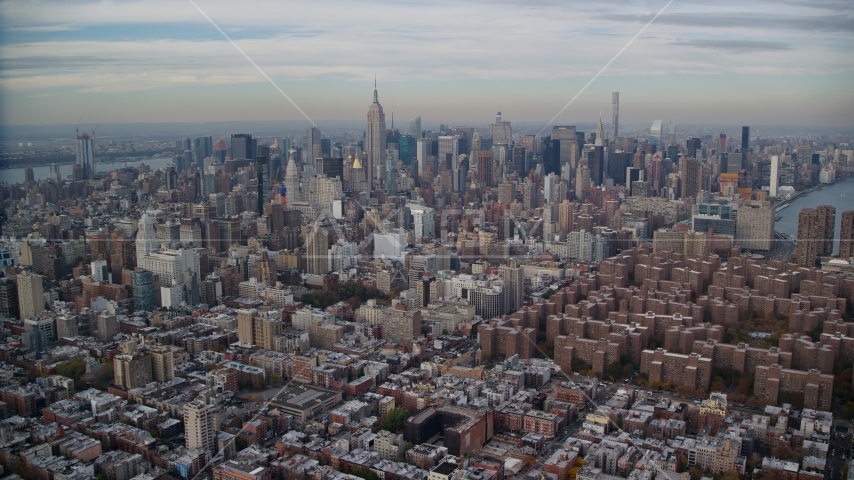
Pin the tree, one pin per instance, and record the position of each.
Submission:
(393, 420)
(240, 443)
(696, 472)
(365, 473)
(73, 369)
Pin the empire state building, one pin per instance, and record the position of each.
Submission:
(375, 138)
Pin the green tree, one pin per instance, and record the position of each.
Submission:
(240, 443)
(73, 369)
(696, 472)
(393, 420)
(365, 473)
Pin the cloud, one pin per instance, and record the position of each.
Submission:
(734, 46)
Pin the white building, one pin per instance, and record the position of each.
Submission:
(343, 255)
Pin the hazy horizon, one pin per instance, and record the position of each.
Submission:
(106, 62)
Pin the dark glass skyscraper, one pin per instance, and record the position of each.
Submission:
(745, 138)
(242, 146)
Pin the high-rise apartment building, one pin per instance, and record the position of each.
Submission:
(30, 294)
(162, 363)
(692, 177)
(258, 329)
(808, 238)
(132, 371)
(745, 139)
(514, 285)
(755, 225)
(146, 238)
(200, 425)
(846, 235)
(86, 156)
(317, 252)
(826, 229)
(9, 299)
(615, 115)
(375, 137)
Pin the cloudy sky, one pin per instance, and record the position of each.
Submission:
(758, 62)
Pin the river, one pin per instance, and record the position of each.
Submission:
(829, 195)
(16, 175)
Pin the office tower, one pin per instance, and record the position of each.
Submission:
(292, 189)
(162, 363)
(826, 229)
(407, 149)
(331, 167)
(142, 283)
(423, 152)
(260, 170)
(615, 115)
(808, 238)
(9, 299)
(617, 165)
(202, 148)
(514, 282)
(600, 133)
(846, 236)
(312, 143)
(596, 164)
(390, 182)
(146, 238)
(415, 127)
(132, 371)
(500, 131)
(200, 425)
(745, 139)
(375, 137)
(29, 175)
(30, 294)
(242, 146)
(549, 186)
(722, 140)
(655, 134)
(754, 225)
(692, 177)
(86, 156)
(582, 180)
(735, 162)
(484, 168)
(317, 252)
(774, 183)
(568, 144)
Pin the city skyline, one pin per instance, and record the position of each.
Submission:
(696, 63)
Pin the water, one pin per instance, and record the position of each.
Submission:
(16, 175)
(829, 195)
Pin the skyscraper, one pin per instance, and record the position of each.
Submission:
(846, 235)
(200, 426)
(415, 127)
(8, 299)
(146, 238)
(826, 228)
(242, 146)
(774, 183)
(317, 251)
(615, 115)
(162, 363)
(500, 131)
(375, 136)
(514, 282)
(30, 294)
(745, 139)
(144, 299)
(807, 247)
(312, 141)
(568, 138)
(202, 148)
(292, 180)
(86, 156)
(655, 135)
(692, 177)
